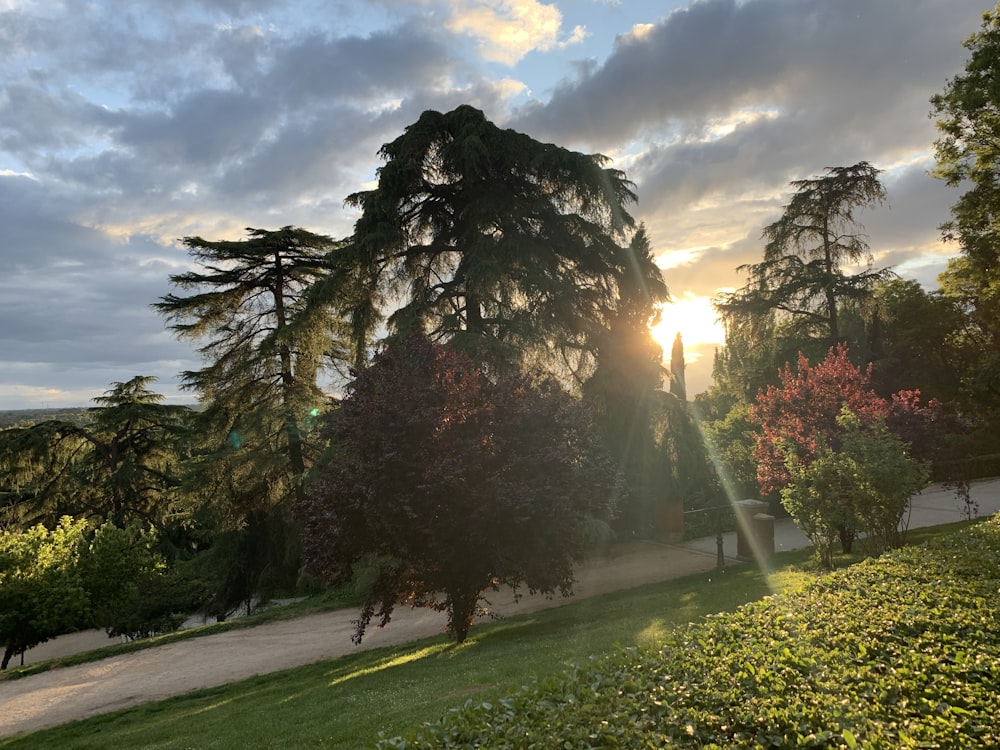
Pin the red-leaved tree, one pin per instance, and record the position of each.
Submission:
(442, 483)
(801, 414)
(799, 418)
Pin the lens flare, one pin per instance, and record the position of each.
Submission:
(744, 520)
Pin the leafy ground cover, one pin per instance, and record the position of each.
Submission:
(902, 651)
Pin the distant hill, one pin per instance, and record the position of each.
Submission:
(74, 414)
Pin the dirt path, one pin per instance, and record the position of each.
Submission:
(63, 695)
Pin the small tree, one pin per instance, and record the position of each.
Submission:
(42, 593)
(444, 484)
(800, 416)
(866, 484)
(885, 477)
(800, 425)
(818, 497)
(132, 592)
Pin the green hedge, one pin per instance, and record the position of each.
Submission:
(898, 652)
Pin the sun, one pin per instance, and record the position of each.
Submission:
(693, 317)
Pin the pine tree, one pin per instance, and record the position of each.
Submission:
(801, 280)
(504, 245)
(264, 349)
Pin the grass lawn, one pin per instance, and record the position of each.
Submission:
(347, 702)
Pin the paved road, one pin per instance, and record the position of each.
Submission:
(64, 695)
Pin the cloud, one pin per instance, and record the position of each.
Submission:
(123, 128)
(722, 103)
(718, 56)
(507, 30)
(74, 307)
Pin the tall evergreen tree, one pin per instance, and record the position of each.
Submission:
(801, 279)
(264, 348)
(622, 388)
(678, 386)
(504, 245)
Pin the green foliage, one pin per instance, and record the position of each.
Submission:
(345, 702)
(884, 478)
(915, 344)
(732, 441)
(622, 389)
(801, 278)
(794, 298)
(897, 652)
(264, 341)
(42, 589)
(865, 485)
(75, 577)
(968, 153)
(119, 465)
(687, 472)
(812, 443)
(132, 592)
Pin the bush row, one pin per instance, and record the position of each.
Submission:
(902, 651)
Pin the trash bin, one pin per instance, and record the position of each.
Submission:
(746, 533)
(763, 530)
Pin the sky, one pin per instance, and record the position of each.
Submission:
(126, 125)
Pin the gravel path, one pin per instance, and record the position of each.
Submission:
(62, 695)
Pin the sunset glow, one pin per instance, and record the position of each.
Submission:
(695, 319)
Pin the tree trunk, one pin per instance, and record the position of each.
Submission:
(473, 314)
(831, 298)
(9, 652)
(461, 612)
(295, 453)
(846, 535)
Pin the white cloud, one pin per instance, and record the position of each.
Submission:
(507, 30)
(578, 34)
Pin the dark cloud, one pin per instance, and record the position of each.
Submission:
(206, 127)
(717, 56)
(917, 206)
(320, 67)
(75, 316)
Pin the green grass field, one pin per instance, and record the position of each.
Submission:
(348, 702)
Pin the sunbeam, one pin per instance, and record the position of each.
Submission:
(744, 520)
